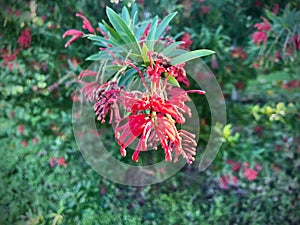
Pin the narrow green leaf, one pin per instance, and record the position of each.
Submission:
(152, 31)
(163, 24)
(171, 47)
(112, 32)
(101, 40)
(191, 55)
(125, 15)
(177, 52)
(99, 56)
(145, 51)
(127, 77)
(172, 80)
(123, 30)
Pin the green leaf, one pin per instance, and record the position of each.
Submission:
(123, 30)
(145, 56)
(152, 31)
(127, 77)
(172, 80)
(99, 56)
(125, 15)
(101, 40)
(171, 47)
(191, 55)
(112, 32)
(163, 24)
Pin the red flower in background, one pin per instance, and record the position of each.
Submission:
(186, 38)
(250, 174)
(227, 180)
(275, 8)
(259, 36)
(9, 59)
(24, 143)
(296, 41)
(25, 38)
(21, 129)
(265, 26)
(204, 9)
(238, 52)
(61, 161)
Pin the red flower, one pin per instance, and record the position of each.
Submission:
(239, 85)
(24, 143)
(75, 33)
(265, 26)
(258, 3)
(35, 140)
(25, 38)
(250, 174)
(275, 8)
(52, 161)
(9, 59)
(259, 36)
(204, 9)
(228, 180)
(86, 23)
(61, 161)
(21, 129)
(296, 41)
(153, 120)
(186, 38)
(238, 52)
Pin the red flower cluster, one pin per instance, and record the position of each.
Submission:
(238, 52)
(60, 161)
(9, 58)
(25, 38)
(261, 35)
(186, 38)
(151, 115)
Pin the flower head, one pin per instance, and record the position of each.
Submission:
(259, 36)
(186, 38)
(86, 23)
(25, 38)
(265, 26)
(75, 33)
(250, 174)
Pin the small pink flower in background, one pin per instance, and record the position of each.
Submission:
(21, 129)
(238, 52)
(186, 38)
(235, 166)
(103, 190)
(52, 161)
(227, 180)
(61, 161)
(24, 143)
(201, 1)
(265, 26)
(214, 62)
(250, 174)
(258, 3)
(44, 18)
(275, 8)
(296, 41)
(245, 164)
(25, 38)
(239, 85)
(75, 33)
(258, 166)
(86, 23)
(255, 65)
(260, 36)
(204, 9)
(9, 58)
(35, 140)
